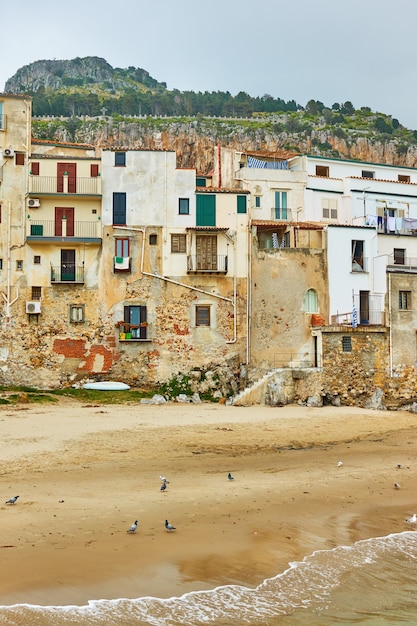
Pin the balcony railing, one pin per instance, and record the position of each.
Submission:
(372, 317)
(67, 273)
(47, 229)
(404, 262)
(87, 186)
(281, 215)
(215, 264)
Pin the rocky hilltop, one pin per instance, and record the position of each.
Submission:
(89, 72)
(87, 100)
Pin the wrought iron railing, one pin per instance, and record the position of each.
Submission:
(50, 228)
(67, 273)
(65, 185)
(283, 215)
(207, 263)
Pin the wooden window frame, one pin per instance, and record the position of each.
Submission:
(178, 243)
(202, 315)
(404, 300)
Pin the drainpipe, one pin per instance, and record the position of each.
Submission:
(390, 324)
(9, 269)
(176, 282)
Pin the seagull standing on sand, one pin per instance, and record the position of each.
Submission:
(230, 476)
(396, 485)
(169, 526)
(163, 479)
(12, 500)
(134, 527)
(412, 519)
(340, 464)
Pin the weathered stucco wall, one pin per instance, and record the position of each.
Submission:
(280, 327)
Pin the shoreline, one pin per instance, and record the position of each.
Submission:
(84, 473)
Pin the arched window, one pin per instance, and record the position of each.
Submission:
(311, 302)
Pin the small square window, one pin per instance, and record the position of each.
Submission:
(184, 206)
(120, 159)
(347, 344)
(403, 178)
(36, 293)
(153, 239)
(37, 259)
(404, 300)
(368, 174)
(20, 158)
(322, 170)
(178, 243)
(202, 315)
(77, 313)
(19, 265)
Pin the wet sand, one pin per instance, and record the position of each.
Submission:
(84, 473)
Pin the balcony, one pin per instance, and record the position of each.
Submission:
(207, 264)
(281, 215)
(401, 262)
(65, 185)
(67, 273)
(48, 231)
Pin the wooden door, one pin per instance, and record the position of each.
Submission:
(69, 171)
(206, 252)
(64, 214)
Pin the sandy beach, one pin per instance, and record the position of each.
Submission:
(84, 473)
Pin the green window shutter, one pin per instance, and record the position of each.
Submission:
(206, 210)
(241, 204)
(200, 182)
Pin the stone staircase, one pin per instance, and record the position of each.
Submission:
(275, 388)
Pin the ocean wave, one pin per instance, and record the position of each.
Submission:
(304, 586)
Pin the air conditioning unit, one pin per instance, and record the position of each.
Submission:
(34, 203)
(8, 152)
(33, 307)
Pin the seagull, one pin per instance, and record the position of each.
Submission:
(412, 519)
(169, 526)
(163, 486)
(163, 479)
(12, 500)
(134, 527)
(399, 465)
(396, 485)
(340, 464)
(230, 476)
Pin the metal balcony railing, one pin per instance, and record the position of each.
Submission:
(67, 273)
(87, 186)
(50, 228)
(207, 264)
(365, 318)
(401, 261)
(282, 215)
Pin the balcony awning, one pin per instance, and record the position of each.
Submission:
(208, 228)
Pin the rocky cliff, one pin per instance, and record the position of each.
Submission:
(194, 140)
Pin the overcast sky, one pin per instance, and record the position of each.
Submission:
(363, 51)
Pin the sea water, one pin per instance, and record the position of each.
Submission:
(373, 582)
